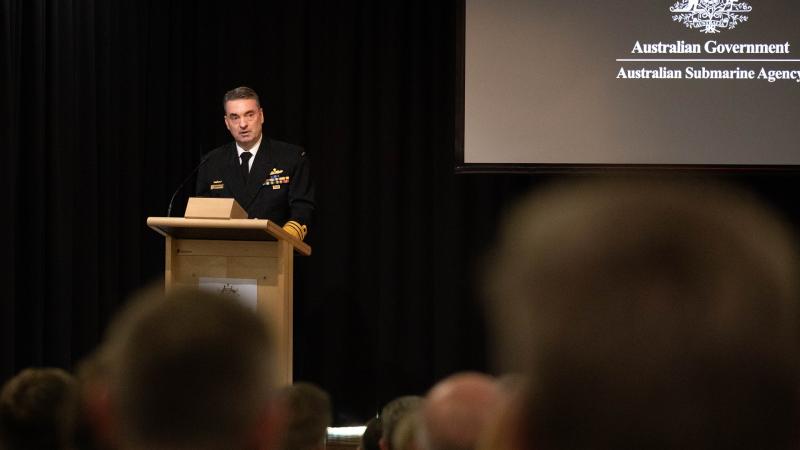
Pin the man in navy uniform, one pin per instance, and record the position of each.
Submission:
(268, 178)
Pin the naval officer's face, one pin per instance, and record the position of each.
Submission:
(244, 119)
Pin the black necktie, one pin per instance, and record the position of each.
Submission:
(245, 168)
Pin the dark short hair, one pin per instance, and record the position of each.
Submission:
(33, 408)
(240, 93)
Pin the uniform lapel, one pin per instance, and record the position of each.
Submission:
(233, 177)
(258, 172)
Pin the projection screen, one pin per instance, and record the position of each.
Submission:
(689, 82)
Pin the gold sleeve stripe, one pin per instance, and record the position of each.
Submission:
(293, 225)
(301, 230)
(291, 230)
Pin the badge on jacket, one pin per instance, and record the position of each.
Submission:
(275, 180)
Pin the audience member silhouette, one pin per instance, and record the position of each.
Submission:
(191, 370)
(34, 406)
(308, 409)
(649, 315)
(406, 432)
(392, 413)
(371, 438)
(457, 410)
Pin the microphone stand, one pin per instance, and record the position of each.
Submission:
(171, 200)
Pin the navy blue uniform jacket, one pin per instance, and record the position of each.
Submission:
(279, 186)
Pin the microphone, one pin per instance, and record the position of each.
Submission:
(171, 200)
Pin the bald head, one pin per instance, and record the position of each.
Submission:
(457, 409)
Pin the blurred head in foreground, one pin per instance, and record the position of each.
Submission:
(406, 433)
(649, 314)
(309, 416)
(190, 370)
(33, 409)
(457, 410)
(391, 416)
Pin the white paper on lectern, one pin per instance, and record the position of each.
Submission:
(241, 289)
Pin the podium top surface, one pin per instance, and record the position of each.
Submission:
(225, 229)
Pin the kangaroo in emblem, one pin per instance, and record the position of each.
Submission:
(691, 5)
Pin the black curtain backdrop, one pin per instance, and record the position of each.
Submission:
(108, 105)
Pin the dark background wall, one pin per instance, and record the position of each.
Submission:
(107, 106)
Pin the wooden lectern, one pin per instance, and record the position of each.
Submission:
(215, 240)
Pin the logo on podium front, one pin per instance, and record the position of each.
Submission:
(242, 290)
(710, 16)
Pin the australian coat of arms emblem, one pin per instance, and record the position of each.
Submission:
(710, 16)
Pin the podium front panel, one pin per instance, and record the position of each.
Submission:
(267, 262)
